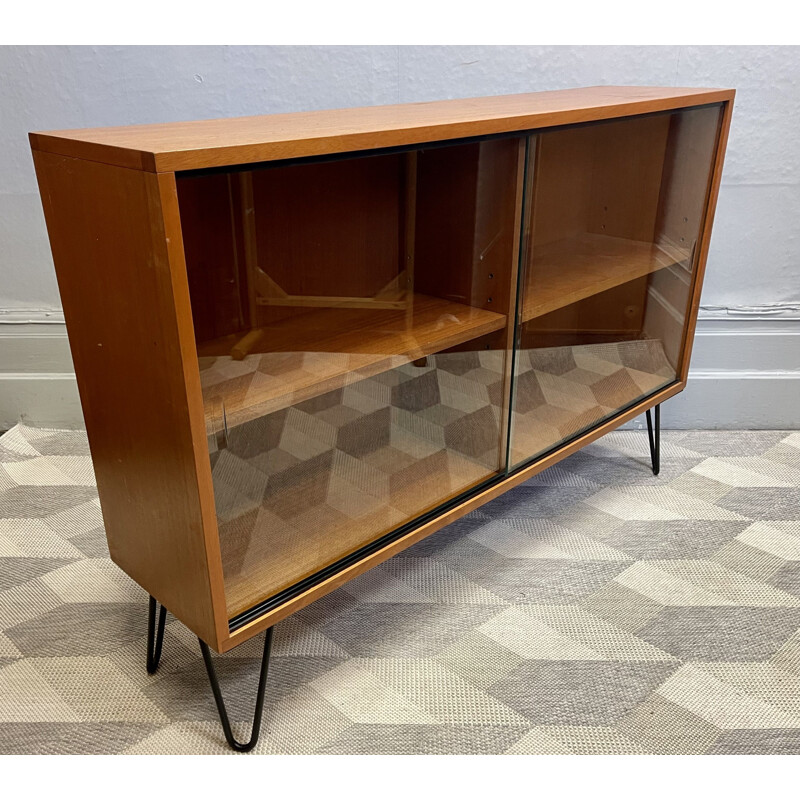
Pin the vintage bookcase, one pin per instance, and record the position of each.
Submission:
(305, 341)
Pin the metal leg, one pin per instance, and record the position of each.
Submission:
(155, 641)
(654, 438)
(223, 714)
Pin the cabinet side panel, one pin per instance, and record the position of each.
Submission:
(110, 249)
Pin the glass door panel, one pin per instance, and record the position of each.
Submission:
(353, 321)
(614, 211)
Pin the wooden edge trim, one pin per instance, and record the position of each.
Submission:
(705, 238)
(225, 156)
(334, 582)
(327, 144)
(168, 193)
(92, 151)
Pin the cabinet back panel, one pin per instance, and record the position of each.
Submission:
(627, 164)
(447, 181)
(615, 311)
(561, 189)
(465, 223)
(692, 139)
(213, 255)
(332, 228)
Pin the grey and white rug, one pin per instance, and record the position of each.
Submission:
(594, 609)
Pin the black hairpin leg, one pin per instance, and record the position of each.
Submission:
(155, 641)
(223, 714)
(655, 439)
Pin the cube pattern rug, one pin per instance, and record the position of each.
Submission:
(594, 609)
(311, 483)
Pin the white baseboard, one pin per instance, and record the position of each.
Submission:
(745, 374)
(37, 382)
(741, 399)
(42, 399)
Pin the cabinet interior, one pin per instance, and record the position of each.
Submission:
(353, 322)
(615, 212)
(357, 321)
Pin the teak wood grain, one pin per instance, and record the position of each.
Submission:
(224, 142)
(348, 213)
(119, 263)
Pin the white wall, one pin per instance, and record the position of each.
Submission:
(753, 269)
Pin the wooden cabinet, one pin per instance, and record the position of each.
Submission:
(305, 341)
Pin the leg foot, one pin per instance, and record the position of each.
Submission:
(155, 640)
(654, 437)
(223, 714)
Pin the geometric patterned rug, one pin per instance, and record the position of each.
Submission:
(594, 609)
(313, 482)
(560, 391)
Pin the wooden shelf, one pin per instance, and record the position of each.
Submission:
(324, 349)
(570, 270)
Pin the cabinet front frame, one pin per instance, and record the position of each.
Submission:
(266, 614)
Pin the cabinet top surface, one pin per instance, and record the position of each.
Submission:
(176, 146)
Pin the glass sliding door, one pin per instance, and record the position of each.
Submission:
(614, 211)
(353, 321)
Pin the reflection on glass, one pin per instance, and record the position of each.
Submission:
(352, 326)
(614, 211)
